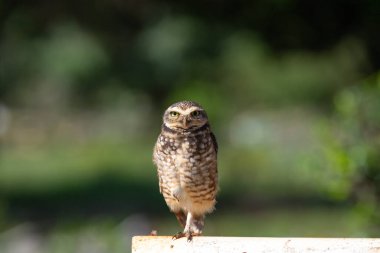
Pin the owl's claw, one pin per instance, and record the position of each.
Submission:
(178, 235)
(188, 235)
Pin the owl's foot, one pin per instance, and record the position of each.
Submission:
(178, 235)
(189, 235)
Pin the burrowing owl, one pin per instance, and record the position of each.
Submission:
(185, 155)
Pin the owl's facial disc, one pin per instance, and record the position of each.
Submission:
(179, 119)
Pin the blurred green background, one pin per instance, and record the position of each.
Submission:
(292, 89)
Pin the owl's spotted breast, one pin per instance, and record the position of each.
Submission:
(187, 170)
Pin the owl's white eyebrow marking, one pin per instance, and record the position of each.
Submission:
(187, 111)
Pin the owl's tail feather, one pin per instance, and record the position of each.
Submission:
(181, 217)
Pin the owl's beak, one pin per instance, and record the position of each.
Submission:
(186, 122)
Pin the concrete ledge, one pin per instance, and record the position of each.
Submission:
(162, 244)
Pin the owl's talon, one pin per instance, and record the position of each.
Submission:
(189, 237)
(178, 235)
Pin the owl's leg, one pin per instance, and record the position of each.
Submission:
(197, 224)
(186, 232)
(194, 225)
(181, 217)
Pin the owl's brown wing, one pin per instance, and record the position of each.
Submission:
(155, 162)
(160, 182)
(214, 142)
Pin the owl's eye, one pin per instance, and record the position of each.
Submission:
(195, 113)
(173, 114)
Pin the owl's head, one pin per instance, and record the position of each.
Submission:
(185, 115)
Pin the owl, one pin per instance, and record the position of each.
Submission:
(185, 155)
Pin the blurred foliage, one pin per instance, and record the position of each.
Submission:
(352, 148)
(291, 88)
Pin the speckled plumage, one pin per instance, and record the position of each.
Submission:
(186, 158)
